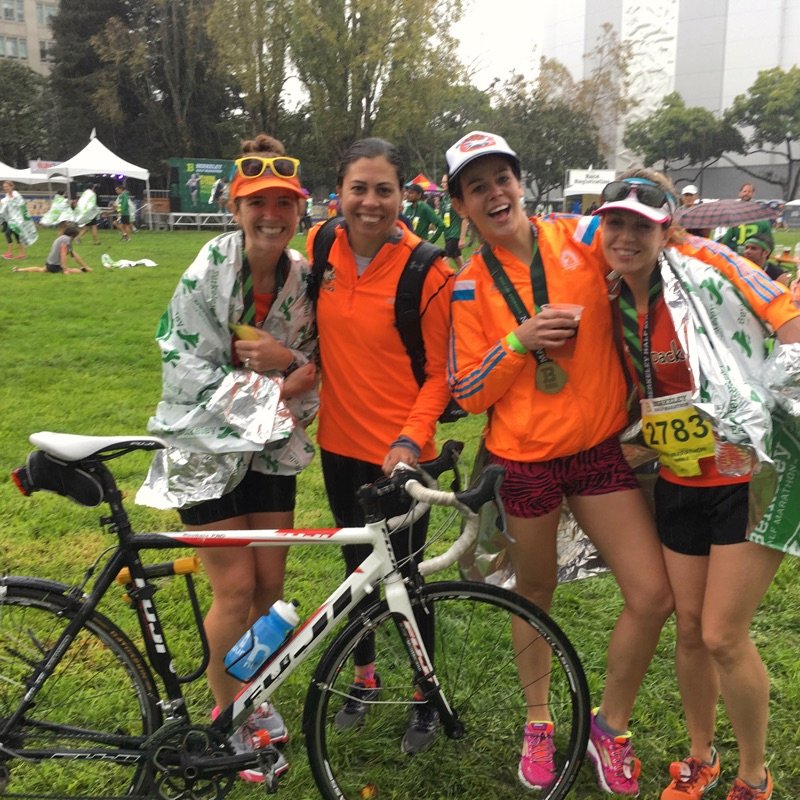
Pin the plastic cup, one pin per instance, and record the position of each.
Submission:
(566, 350)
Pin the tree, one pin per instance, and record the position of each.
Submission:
(589, 109)
(435, 111)
(548, 133)
(674, 133)
(604, 95)
(251, 38)
(26, 110)
(770, 109)
(352, 54)
(168, 65)
(77, 73)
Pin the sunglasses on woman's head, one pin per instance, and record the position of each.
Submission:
(647, 194)
(255, 166)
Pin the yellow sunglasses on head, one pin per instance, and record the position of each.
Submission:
(255, 166)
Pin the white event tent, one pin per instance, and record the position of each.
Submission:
(97, 159)
(26, 176)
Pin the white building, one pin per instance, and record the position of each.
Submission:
(709, 51)
(25, 33)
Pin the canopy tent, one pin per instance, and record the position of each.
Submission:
(10, 174)
(426, 184)
(97, 159)
(28, 177)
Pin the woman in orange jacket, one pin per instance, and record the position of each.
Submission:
(373, 413)
(556, 391)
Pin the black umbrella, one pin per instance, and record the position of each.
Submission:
(723, 212)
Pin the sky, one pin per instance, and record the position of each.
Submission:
(491, 44)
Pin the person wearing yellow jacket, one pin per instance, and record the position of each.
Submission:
(555, 392)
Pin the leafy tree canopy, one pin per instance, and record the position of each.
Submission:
(770, 113)
(76, 74)
(251, 41)
(771, 107)
(165, 66)
(25, 108)
(549, 134)
(368, 65)
(675, 132)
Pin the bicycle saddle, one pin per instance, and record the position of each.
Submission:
(75, 447)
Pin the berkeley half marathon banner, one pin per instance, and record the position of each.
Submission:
(192, 179)
(780, 525)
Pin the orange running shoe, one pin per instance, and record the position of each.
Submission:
(692, 778)
(744, 791)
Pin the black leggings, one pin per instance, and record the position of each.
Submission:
(343, 477)
(10, 235)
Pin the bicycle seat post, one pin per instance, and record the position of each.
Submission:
(118, 521)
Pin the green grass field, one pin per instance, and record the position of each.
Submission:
(78, 356)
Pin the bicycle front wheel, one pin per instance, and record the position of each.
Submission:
(475, 660)
(100, 700)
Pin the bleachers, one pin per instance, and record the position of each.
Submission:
(199, 220)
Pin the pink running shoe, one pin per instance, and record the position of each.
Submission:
(614, 760)
(257, 733)
(537, 769)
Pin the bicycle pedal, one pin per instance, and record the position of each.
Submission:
(268, 759)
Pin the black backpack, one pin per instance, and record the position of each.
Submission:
(408, 318)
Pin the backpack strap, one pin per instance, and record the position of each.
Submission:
(323, 241)
(407, 312)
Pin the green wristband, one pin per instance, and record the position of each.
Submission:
(512, 340)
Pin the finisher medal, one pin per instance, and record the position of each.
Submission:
(550, 377)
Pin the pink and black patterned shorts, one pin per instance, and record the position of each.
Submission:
(535, 488)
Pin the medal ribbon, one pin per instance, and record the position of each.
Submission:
(640, 348)
(248, 299)
(512, 298)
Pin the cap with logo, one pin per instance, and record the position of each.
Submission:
(474, 145)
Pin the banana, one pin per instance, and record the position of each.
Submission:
(246, 332)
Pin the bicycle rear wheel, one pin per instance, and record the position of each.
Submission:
(101, 697)
(475, 664)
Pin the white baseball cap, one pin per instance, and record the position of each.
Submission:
(690, 189)
(474, 145)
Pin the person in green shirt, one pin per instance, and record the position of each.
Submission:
(123, 221)
(736, 236)
(455, 228)
(422, 216)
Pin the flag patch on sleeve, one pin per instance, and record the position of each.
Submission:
(464, 290)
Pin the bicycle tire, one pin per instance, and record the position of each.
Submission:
(475, 664)
(102, 685)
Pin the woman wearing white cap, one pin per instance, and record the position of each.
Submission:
(557, 404)
(718, 577)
